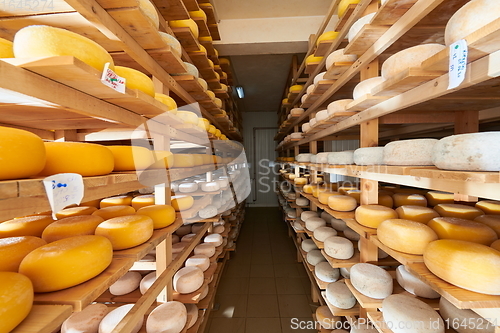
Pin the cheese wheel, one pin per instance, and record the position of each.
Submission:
(114, 211)
(113, 318)
(86, 159)
(303, 158)
(188, 187)
(188, 238)
(14, 249)
(172, 42)
(183, 161)
(210, 186)
(302, 202)
(313, 223)
(402, 199)
(342, 203)
(496, 245)
(372, 215)
(339, 56)
(464, 21)
(322, 233)
(458, 210)
(365, 87)
(175, 238)
(86, 320)
(184, 230)
(169, 317)
(325, 317)
(436, 197)
(358, 26)
(356, 194)
(295, 88)
(143, 201)
(25, 226)
(324, 196)
(308, 245)
(162, 215)
(300, 181)
(119, 200)
(67, 262)
(369, 156)
(200, 261)
(463, 319)
(198, 226)
(410, 57)
(345, 272)
(461, 229)
(126, 284)
(337, 224)
(178, 247)
(385, 200)
(416, 213)
(188, 280)
(314, 257)
(326, 273)
(351, 234)
(371, 280)
(322, 158)
(308, 188)
(297, 226)
(71, 226)
(215, 239)
(489, 207)
(341, 157)
(6, 48)
(405, 235)
(338, 106)
(417, 152)
(16, 299)
(189, 23)
(339, 247)
(206, 249)
(46, 41)
(91, 203)
(135, 79)
(208, 212)
(126, 231)
(339, 295)
(192, 312)
(309, 90)
(492, 221)
(413, 284)
(75, 211)
(296, 111)
(182, 202)
(407, 314)
(306, 127)
(146, 282)
(318, 78)
(130, 158)
(312, 59)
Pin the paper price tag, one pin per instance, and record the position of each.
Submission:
(63, 189)
(458, 63)
(110, 79)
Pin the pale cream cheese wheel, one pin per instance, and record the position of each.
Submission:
(365, 87)
(339, 295)
(169, 317)
(86, 320)
(358, 25)
(408, 58)
(111, 320)
(188, 280)
(371, 280)
(417, 152)
(338, 106)
(339, 56)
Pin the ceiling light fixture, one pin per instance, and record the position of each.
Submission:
(240, 92)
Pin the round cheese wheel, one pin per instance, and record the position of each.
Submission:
(302, 202)
(492, 221)
(385, 200)
(303, 157)
(219, 229)
(338, 106)
(416, 213)
(304, 98)
(306, 127)
(188, 187)
(86, 320)
(371, 280)
(369, 156)
(130, 158)
(341, 157)
(326, 273)
(339, 295)
(162, 215)
(71, 226)
(339, 56)
(322, 233)
(188, 279)
(407, 314)
(314, 257)
(461, 229)
(300, 181)
(345, 272)
(358, 26)
(297, 226)
(413, 284)
(184, 230)
(178, 247)
(351, 234)
(200, 261)
(113, 318)
(401, 199)
(16, 299)
(451, 314)
(308, 245)
(310, 89)
(126, 231)
(489, 207)
(206, 249)
(126, 284)
(405, 235)
(215, 239)
(25, 226)
(114, 211)
(365, 87)
(192, 314)
(75, 211)
(147, 282)
(342, 203)
(339, 247)
(182, 202)
(188, 238)
(14, 249)
(417, 152)
(208, 212)
(6, 50)
(325, 317)
(436, 197)
(172, 42)
(458, 210)
(296, 111)
(67, 262)
(410, 57)
(118, 200)
(313, 223)
(321, 115)
(169, 317)
(296, 135)
(337, 224)
(175, 239)
(318, 78)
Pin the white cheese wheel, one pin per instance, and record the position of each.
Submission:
(303, 157)
(302, 202)
(188, 238)
(351, 234)
(371, 280)
(218, 229)
(416, 152)
(341, 157)
(201, 261)
(337, 224)
(325, 317)
(313, 122)
(204, 291)
(183, 230)
(297, 226)
(321, 115)
(318, 78)
(296, 111)
(306, 127)
(304, 97)
(85, 321)
(326, 273)
(296, 135)
(188, 187)
(369, 156)
(210, 187)
(205, 249)
(175, 239)
(192, 314)
(462, 319)
(322, 158)
(322, 233)
(196, 227)
(310, 89)
(410, 57)
(215, 239)
(178, 247)
(468, 152)
(308, 245)
(338, 106)
(365, 87)
(339, 295)
(147, 282)
(126, 284)
(313, 223)
(188, 280)
(314, 257)
(339, 247)
(345, 272)
(358, 25)
(111, 320)
(407, 314)
(169, 317)
(413, 284)
(465, 20)
(208, 212)
(291, 213)
(308, 214)
(339, 56)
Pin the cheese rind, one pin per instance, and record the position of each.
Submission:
(75, 211)
(372, 215)
(489, 207)
(339, 295)
(169, 317)
(417, 152)
(405, 236)
(339, 247)
(314, 257)
(126, 284)
(143, 201)
(416, 213)
(188, 279)
(86, 320)
(16, 299)
(111, 320)
(25, 226)
(341, 157)
(369, 156)
(342, 203)
(326, 273)
(313, 223)
(436, 197)
(492, 221)
(322, 233)
(200, 261)
(339, 56)
(358, 26)
(451, 314)
(365, 87)
(126, 231)
(410, 57)
(182, 202)
(308, 245)
(413, 284)
(402, 199)
(71, 226)
(118, 200)
(461, 229)
(14, 249)
(131, 158)
(371, 280)
(458, 210)
(162, 215)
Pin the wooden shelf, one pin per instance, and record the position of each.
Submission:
(403, 258)
(172, 9)
(44, 319)
(354, 311)
(345, 17)
(186, 38)
(363, 231)
(164, 56)
(338, 263)
(202, 26)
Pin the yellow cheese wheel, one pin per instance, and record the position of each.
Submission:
(143, 201)
(163, 159)
(22, 153)
(300, 181)
(188, 117)
(356, 194)
(205, 39)
(344, 189)
(67, 262)
(126, 231)
(162, 215)
(416, 213)
(218, 102)
(71, 226)
(25, 226)
(492, 221)
(320, 189)
(182, 202)
(87, 159)
(458, 210)
(435, 198)
(344, 4)
(324, 196)
(118, 200)
(135, 79)
(114, 211)
(14, 249)
(212, 129)
(461, 229)
(496, 245)
(204, 123)
(372, 215)
(342, 203)
(45, 41)
(168, 101)
(467, 265)
(198, 159)
(405, 235)
(203, 84)
(385, 200)
(309, 188)
(211, 94)
(402, 199)
(75, 211)
(6, 49)
(16, 299)
(489, 207)
(312, 59)
(92, 203)
(184, 161)
(189, 23)
(296, 88)
(327, 36)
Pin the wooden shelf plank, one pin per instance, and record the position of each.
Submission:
(172, 9)
(310, 68)
(354, 311)
(363, 231)
(338, 263)
(345, 17)
(365, 38)
(404, 81)
(459, 176)
(169, 61)
(403, 258)
(186, 38)
(202, 26)
(44, 319)
(366, 102)
(390, 12)
(191, 5)
(336, 71)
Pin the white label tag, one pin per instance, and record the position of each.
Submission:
(458, 63)
(112, 80)
(63, 189)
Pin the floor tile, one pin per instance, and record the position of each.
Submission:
(263, 325)
(290, 286)
(263, 306)
(233, 325)
(233, 286)
(294, 306)
(237, 270)
(230, 306)
(262, 286)
(262, 259)
(301, 269)
(261, 271)
(286, 270)
(297, 325)
(240, 258)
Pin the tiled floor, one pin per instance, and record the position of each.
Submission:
(263, 287)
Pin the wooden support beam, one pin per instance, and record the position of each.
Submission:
(418, 118)
(466, 122)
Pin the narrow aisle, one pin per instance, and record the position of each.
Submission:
(262, 287)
